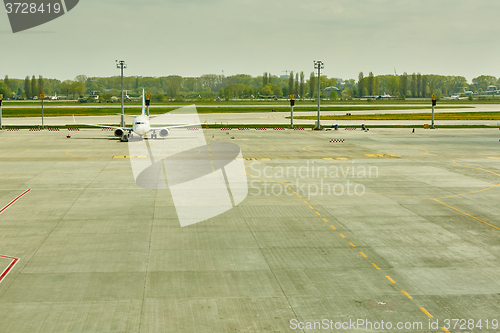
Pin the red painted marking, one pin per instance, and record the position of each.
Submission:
(13, 201)
(8, 269)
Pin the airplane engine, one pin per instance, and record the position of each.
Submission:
(164, 132)
(118, 132)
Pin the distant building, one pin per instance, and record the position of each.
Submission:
(330, 89)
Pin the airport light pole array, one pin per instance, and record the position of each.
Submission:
(319, 65)
(121, 65)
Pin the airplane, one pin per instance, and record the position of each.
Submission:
(141, 126)
(460, 96)
(127, 97)
(55, 97)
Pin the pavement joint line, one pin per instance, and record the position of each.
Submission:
(378, 268)
(406, 294)
(426, 312)
(458, 210)
(449, 196)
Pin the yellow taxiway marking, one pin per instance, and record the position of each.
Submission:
(458, 210)
(299, 196)
(444, 329)
(493, 157)
(426, 312)
(311, 207)
(389, 278)
(341, 235)
(382, 155)
(406, 294)
(130, 156)
(426, 152)
(336, 158)
(305, 202)
(325, 219)
(253, 159)
(333, 227)
(318, 213)
(24, 152)
(352, 244)
(375, 265)
(364, 255)
(294, 192)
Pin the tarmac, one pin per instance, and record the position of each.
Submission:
(387, 227)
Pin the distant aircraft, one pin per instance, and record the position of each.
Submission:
(385, 95)
(127, 96)
(456, 97)
(55, 97)
(141, 126)
(379, 96)
(461, 95)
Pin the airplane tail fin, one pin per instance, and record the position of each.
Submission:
(143, 104)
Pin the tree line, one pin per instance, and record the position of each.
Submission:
(245, 86)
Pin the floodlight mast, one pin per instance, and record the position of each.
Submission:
(319, 65)
(121, 65)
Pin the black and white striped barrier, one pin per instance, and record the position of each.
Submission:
(337, 140)
(279, 128)
(13, 129)
(350, 128)
(243, 129)
(74, 129)
(298, 129)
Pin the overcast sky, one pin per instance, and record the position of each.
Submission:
(195, 37)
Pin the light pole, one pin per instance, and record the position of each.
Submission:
(319, 66)
(1, 98)
(121, 65)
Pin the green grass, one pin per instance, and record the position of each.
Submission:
(84, 111)
(415, 116)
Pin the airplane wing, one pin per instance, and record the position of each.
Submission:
(103, 126)
(175, 126)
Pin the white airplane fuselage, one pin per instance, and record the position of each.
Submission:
(141, 125)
